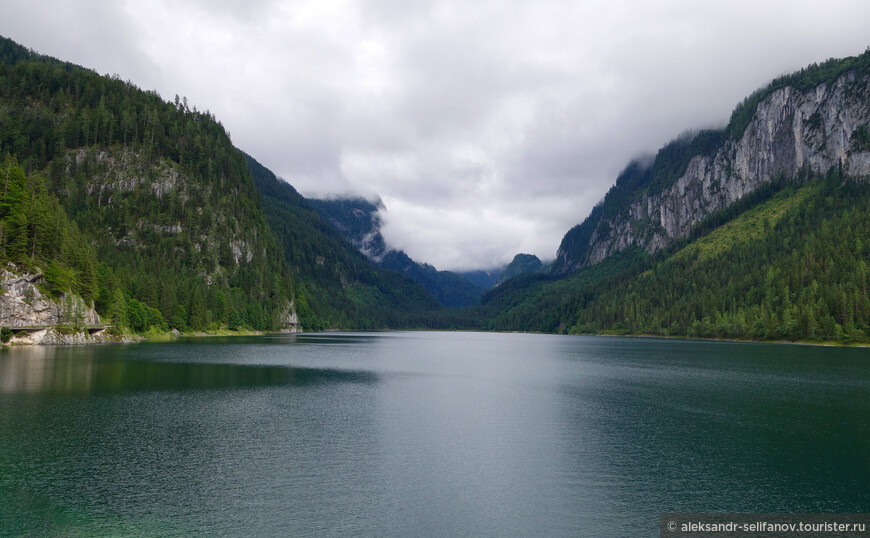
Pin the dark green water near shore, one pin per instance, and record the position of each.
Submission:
(425, 434)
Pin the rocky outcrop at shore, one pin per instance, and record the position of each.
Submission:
(23, 304)
(289, 321)
(37, 318)
(61, 336)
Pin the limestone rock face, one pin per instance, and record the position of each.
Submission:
(790, 129)
(23, 305)
(53, 336)
(289, 321)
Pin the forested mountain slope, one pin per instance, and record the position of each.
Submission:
(338, 286)
(801, 124)
(520, 265)
(171, 214)
(794, 268)
(156, 188)
(757, 231)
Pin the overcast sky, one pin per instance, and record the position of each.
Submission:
(487, 128)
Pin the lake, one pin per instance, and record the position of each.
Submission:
(425, 434)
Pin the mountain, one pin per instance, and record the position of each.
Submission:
(179, 229)
(801, 124)
(794, 267)
(50, 276)
(358, 220)
(758, 230)
(338, 287)
(119, 207)
(520, 265)
(485, 278)
(165, 226)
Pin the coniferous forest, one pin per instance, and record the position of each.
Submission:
(161, 213)
(793, 266)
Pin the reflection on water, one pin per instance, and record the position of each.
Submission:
(97, 370)
(37, 369)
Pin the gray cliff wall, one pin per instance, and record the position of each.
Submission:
(289, 321)
(789, 129)
(23, 305)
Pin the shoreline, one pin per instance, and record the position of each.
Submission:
(58, 335)
(656, 336)
(63, 337)
(824, 343)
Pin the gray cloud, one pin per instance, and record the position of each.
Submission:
(488, 128)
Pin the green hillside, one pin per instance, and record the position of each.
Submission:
(155, 187)
(545, 302)
(787, 261)
(791, 264)
(794, 268)
(36, 235)
(521, 264)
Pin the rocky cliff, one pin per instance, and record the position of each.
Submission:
(22, 304)
(794, 131)
(37, 318)
(288, 321)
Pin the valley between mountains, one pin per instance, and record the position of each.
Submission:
(125, 215)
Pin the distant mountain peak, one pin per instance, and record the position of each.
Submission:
(521, 264)
(358, 219)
